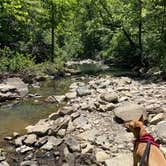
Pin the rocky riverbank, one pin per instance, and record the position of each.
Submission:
(89, 130)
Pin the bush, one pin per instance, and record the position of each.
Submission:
(15, 62)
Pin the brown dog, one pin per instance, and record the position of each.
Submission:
(155, 158)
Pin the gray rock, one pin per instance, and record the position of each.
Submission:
(160, 130)
(19, 141)
(110, 97)
(105, 108)
(101, 156)
(130, 111)
(41, 141)
(70, 95)
(83, 91)
(73, 145)
(2, 158)
(39, 129)
(65, 111)
(120, 160)
(80, 122)
(61, 132)
(89, 135)
(31, 139)
(28, 163)
(157, 118)
(20, 86)
(52, 141)
(55, 99)
(24, 149)
(87, 148)
(4, 163)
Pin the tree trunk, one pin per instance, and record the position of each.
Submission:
(140, 32)
(52, 33)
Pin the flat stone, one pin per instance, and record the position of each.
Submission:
(73, 145)
(120, 160)
(4, 163)
(89, 135)
(19, 141)
(130, 111)
(87, 148)
(52, 141)
(160, 130)
(2, 158)
(39, 129)
(80, 122)
(157, 118)
(31, 139)
(101, 156)
(70, 95)
(28, 163)
(83, 91)
(105, 108)
(109, 97)
(61, 132)
(24, 149)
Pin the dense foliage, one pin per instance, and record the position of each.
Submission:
(120, 31)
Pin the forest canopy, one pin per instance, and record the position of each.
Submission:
(132, 32)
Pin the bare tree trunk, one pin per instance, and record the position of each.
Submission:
(163, 20)
(52, 33)
(140, 32)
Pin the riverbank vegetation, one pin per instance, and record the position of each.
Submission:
(132, 32)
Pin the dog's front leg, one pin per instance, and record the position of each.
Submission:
(135, 160)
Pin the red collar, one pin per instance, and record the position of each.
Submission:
(146, 138)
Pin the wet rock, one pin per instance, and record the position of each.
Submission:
(130, 111)
(160, 131)
(83, 91)
(110, 97)
(120, 160)
(157, 118)
(73, 145)
(23, 149)
(31, 139)
(55, 99)
(52, 141)
(101, 156)
(28, 163)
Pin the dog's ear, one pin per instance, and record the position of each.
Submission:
(141, 118)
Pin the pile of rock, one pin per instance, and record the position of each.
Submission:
(86, 131)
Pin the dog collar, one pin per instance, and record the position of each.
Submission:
(146, 138)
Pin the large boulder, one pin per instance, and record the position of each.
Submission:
(160, 130)
(120, 160)
(12, 88)
(130, 111)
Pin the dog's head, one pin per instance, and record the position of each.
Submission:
(135, 126)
